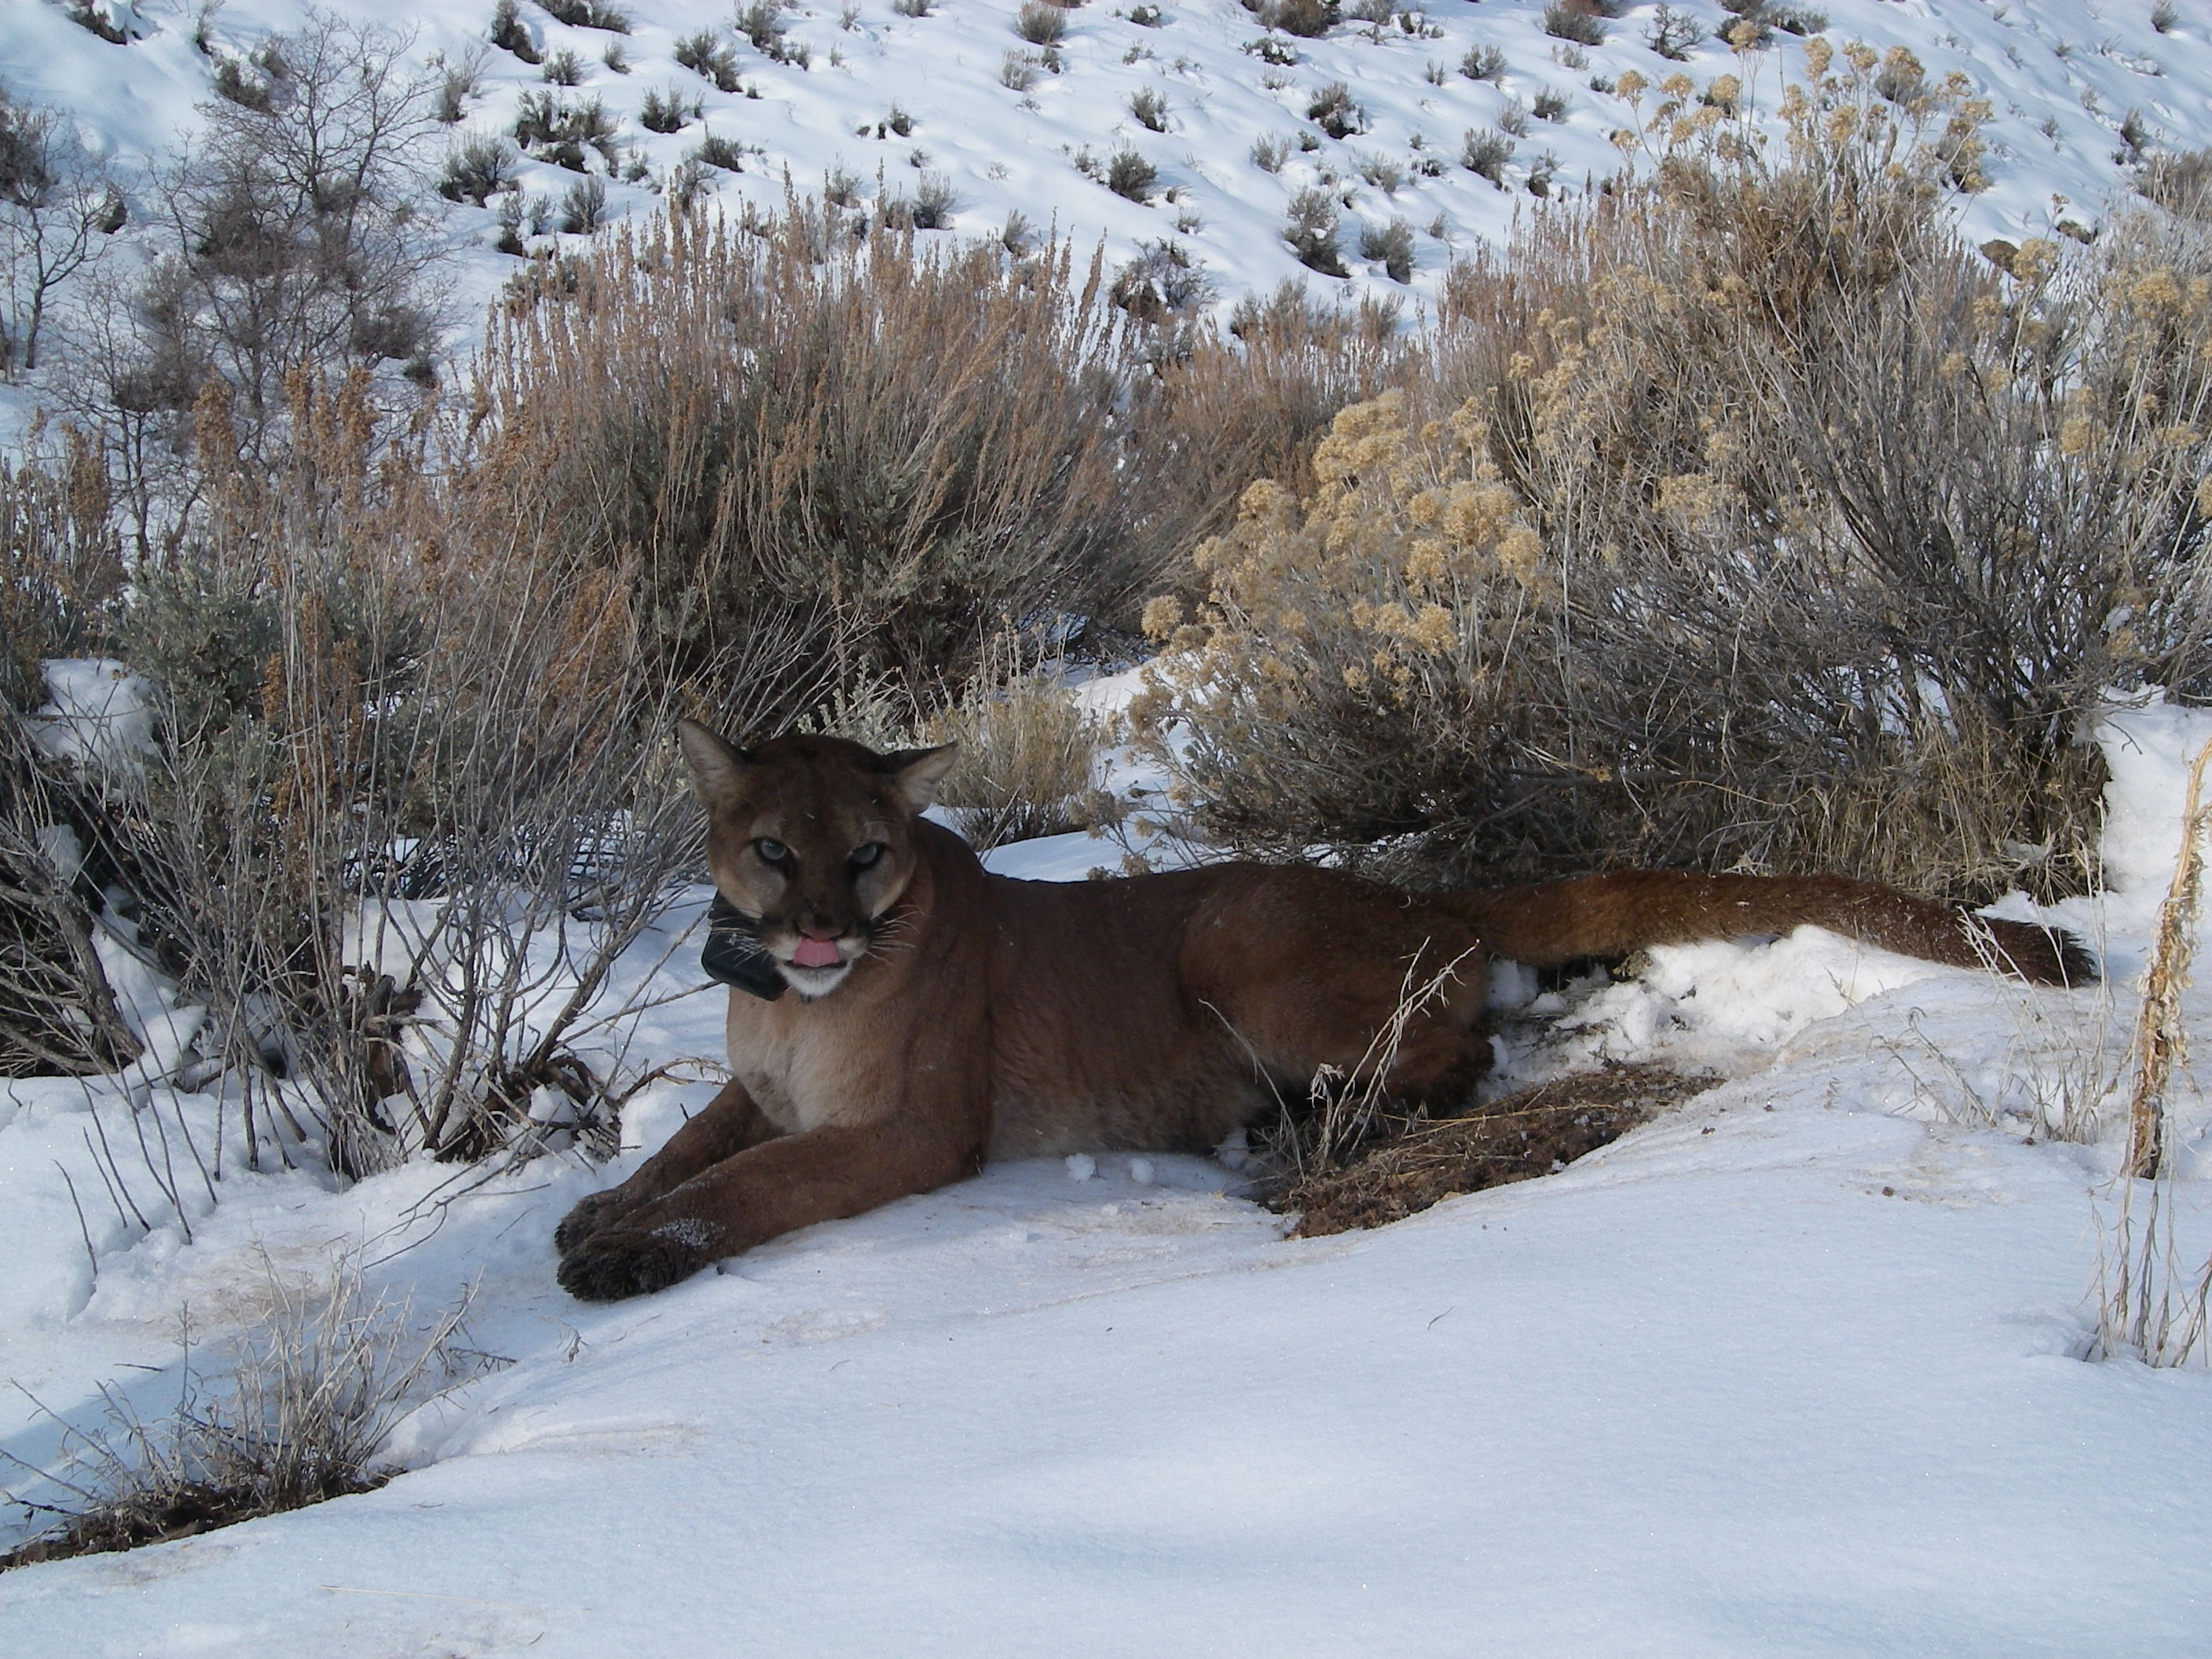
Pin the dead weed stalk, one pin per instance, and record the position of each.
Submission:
(2148, 1304)
(1346, 1109)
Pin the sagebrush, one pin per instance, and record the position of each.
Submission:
(1744, 518)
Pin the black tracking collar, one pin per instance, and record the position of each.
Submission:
(734, 954)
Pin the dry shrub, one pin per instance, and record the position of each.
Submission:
(56, 1013)
(923, 437)
(61, 576)
(1743, 518)
(1252, 402)
(2180, 181)
(1028, 764)
(61, 568)
(1578, 23)
(1039, 24)
(1311, 19)
(410, 796)
(311, 1399)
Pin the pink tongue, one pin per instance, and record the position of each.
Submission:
(815, 953)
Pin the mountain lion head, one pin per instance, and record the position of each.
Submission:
(811, 838)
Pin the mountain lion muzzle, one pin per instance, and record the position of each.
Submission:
(942, 1016)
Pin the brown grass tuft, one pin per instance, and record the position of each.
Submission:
(2161, 1038)
(1028, 764)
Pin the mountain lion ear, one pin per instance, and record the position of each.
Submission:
(716, 764)
(919, 771)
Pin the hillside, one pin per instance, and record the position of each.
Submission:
(948, 106)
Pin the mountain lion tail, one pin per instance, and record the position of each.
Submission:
(1615, 914)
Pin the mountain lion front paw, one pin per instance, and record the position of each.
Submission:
(606, 1267)
(591, 1211)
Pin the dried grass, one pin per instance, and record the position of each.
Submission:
(1029, 758)
(1344, 1109)
(2062, 1075)
(308, 1402)
(2162, 1039)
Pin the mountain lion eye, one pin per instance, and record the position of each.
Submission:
(866, 854)
(772, 851)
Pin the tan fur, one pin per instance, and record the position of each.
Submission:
(971, 1017)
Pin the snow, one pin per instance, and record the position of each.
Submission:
(1824, 1403)
(1793, 1369)
(98, 713)
(2149, 747)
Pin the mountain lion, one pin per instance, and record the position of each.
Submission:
(941, 1016)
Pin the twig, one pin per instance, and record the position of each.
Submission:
(83, 1231)
(108, 1167)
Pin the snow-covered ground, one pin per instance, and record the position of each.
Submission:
(1795, 1369)
(886, 102)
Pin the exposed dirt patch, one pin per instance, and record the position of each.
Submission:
(177, 1512)
(1529, 1132)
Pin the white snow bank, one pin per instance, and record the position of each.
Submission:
(1800, 1385)
(2149, 750)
